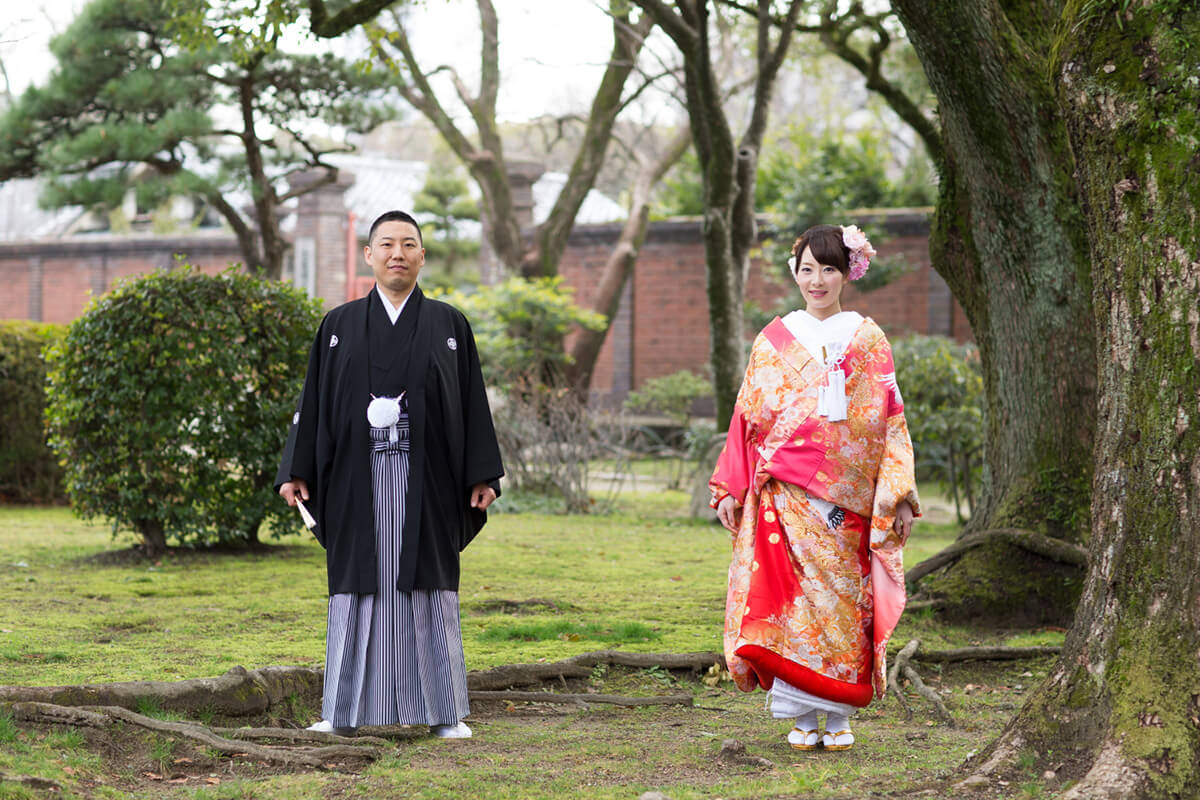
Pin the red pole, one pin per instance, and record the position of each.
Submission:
(351, 258)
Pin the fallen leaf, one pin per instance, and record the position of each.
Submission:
(154, 776)
(676, 577)
(211, 781)
(182, 761)
(178, 780)
(69, 770)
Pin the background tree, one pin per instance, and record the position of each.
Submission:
(729, 171)
(443, 203)
(1016, 261)
(482, 150)
(1124, 700)
(127, 109)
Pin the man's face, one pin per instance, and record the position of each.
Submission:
(396, 256)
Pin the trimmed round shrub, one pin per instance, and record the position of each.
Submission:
(170, 400)
(29, 473)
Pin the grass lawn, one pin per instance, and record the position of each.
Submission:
(75, 607)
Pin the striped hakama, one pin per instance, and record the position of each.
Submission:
(393, 658)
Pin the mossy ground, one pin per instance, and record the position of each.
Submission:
(74, 609)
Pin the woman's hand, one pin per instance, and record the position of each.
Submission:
(904, 520)
(727, 511)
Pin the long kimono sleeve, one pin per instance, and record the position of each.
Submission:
(300, 451)
(735, 466)
(895, 482)
(482, 462)
(734, 472)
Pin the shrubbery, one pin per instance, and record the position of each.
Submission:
(170, 399)
(29, 472)
(547, 434)
(942, 385)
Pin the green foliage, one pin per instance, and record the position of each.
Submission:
(445, 200)
(169, 402)
(681, 193)
(519, 327)
(127, 109)
(671, 395)
(29, 472)
(942, 384)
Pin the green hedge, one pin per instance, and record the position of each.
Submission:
(170, 399)
(29, 472)
(942, 384)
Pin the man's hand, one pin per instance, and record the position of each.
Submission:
(482, 496)
(727, 511)
(904, 520)
(293, 489)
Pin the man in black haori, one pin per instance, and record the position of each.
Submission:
(393, 449)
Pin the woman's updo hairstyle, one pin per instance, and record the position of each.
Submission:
(827, 247)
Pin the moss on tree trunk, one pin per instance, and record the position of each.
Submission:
(1009, 238)
(1124, 702)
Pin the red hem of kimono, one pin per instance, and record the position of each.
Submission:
(768, 666)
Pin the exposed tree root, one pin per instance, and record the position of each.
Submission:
(523, 675)
(928, 694)
(560, 697)
(237, 693)
(580, 666)
(696, 662)
(987, 653)
(893, 678)
(243, 693)
(296, 736)
(102, 716)
(1112, 777)
(1045, 546)
(31, 781)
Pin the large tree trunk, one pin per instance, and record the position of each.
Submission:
(1010, 240)
(729, 171)
(1126, 695)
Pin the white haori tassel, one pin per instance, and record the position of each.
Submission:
(384, 412)
(831, 398)
(835, 396)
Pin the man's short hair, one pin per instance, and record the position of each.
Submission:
(394, 216)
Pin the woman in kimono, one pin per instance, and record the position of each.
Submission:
(815, 483)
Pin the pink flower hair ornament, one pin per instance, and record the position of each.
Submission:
(861, 251)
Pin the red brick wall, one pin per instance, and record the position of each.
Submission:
(668, 300)
(662, 326)
(51, 281)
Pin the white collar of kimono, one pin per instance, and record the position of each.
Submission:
(815, 334)
(393, 311)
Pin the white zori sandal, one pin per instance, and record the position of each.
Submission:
(459, 731)
(801, 739)
(837, 740)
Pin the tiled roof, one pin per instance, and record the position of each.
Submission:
(380, 184)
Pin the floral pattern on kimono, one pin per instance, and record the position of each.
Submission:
(808, 602)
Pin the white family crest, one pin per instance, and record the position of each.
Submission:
(452, 343)
(333, 340)
(296, 418)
